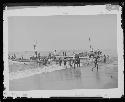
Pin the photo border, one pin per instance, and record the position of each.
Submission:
(69, 10)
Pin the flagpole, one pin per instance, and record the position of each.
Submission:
(90, 45)
(35, 45)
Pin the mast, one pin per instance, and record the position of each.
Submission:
(90, 45)
(35, 45)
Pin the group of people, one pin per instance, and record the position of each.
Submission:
(96, 57)
(64, 54)
(72, 62)
(12, 57)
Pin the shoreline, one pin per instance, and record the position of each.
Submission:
(31, 72)
(67, 78)
(38, 70)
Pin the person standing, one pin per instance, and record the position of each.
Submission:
(95, 63)
(60, 61)
(78, 62)
(14, 56)
(55, 52)
(70, 63)
(74, 62)
(63, 53)
(39, 56)
(65, 62)
(104, 58)
(50, 55)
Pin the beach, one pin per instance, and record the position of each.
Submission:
(55, 77)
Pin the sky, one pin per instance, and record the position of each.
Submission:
(62, 32)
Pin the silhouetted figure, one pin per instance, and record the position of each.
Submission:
(74, 62)
(36, 53)
(78, 62)
(8, 56)
(14, 56)
(104, 58)
(38, 56)
(55, 52)
(45, 61)
(70, 62)
(96, 63)
(60, 61)
(65, 62)
(107, 59)
(65, 53)
(50, 55)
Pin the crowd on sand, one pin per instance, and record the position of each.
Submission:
(74, 61)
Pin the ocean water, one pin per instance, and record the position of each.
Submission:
(61, 78)
(30, 76)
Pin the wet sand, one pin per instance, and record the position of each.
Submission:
(70, 78)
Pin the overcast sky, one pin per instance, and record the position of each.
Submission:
(62, 32)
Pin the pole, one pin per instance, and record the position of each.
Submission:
(35, 45)
(90, 45)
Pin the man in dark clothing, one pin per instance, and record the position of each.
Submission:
(60, 61)
(74, 62)
(14, 56)
(63, 53)
(70, 62)
(65, 62)
(38, 56)
(45, 61)
(96, 63)
(78, 62)
(36, 53)
(104, 58)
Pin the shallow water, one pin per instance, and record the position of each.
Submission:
(67, 79)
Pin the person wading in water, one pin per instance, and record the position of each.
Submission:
(65, 62)
(70, 63)
(60, 61)
(96, 63)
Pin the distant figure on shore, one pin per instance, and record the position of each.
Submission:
(78, 62)
(60, 61)
(104, 58)
(9, 57)
(63, 54)
(70, 63)
(36, 53)
(55, 52)
(50, 55)
(45, 61)
(74, 61)
(96, 63)
(65, 62)
(108, 58)
(14, 56)
(39, 56)
(49, 60)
